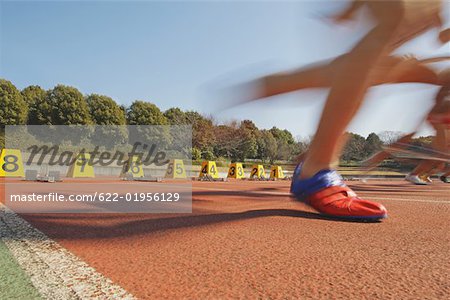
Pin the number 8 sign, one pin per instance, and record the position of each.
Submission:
(11, 163)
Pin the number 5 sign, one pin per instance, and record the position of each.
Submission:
(175, 169)
(11, 163)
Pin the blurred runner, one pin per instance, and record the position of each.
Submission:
(390, 69)
(315, 181)
(349, 76)
(439, 118)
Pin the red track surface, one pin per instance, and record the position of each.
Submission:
(250, 240)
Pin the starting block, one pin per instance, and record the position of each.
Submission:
(175, 169)
(209, 172)
(209, 168)
(236, 171)
(81, 167)
(277, 173)
(55, 174)
(258, 172)
(52, 176)
(11, 164)
(31, 175)
(210, 178)
(130, 177)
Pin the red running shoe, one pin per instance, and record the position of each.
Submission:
(327, 193)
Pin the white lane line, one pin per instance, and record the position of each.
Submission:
(54, 271)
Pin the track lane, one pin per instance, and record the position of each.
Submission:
(249, 240)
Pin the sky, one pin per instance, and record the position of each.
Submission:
(176, 54)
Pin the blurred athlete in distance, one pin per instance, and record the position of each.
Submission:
(439, 118)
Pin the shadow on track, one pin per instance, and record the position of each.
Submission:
(96, 229)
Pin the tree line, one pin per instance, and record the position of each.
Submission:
(236, 141)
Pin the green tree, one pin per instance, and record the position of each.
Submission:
(354, 149)
(181, 133)
(226, 143)
(267, 147)
(286, 147)
(208, 155)
(69, 107)
(145, 113)
(105, 111)
(41, 111)
(282, 135)
(248, 146)
(13, 108)
(249, 135)
(203, 136)
(62, 105)
(373, 144)
(260, 141)
(196, 154)
(124, 109)
(234, 142)
(250, 126)
(33, 93)
(176, 116)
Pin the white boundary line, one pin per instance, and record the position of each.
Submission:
(54, 271)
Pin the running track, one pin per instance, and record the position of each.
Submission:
(250, 240)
